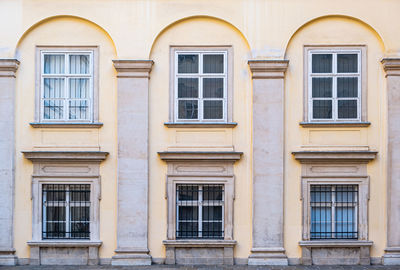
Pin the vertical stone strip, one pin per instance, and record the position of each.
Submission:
(8, 68)
(268, 148)
(392, 251)
(133, 114)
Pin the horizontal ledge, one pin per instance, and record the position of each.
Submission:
(333, 125)
(66, 125)
(268, 250)
(65, 155)
(393, 249)
(336, 243)
(197, 156)
(201, 125)
(199, 243)
(132, 250)
(64, 243)
(7, 250)
(338, 156)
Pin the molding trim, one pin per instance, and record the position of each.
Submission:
(200, 125)
(200, 243)
(66, 125)
(64, 243)
(335, 243)
(335, 156)
(198, 156)
(334, 124)
(8, 67)
(57, 156)
(391, 66)
(133, 68)
(268, 69)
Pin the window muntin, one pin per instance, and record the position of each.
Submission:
(199, 211)
(66, 86)
(334, 81)
(66, 211)
(334, 211)
(200, 86)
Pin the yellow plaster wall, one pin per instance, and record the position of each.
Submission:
(207, 32)
(65, 31)
(335, 31)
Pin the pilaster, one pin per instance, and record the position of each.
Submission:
(268, 148)
(8, 68)
(392, 252)
(133, 114)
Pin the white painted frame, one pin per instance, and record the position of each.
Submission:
(228, 82)
(93, 83)
(200, 204)
(360, 50)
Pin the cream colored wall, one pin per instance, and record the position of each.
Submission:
(145, 30)
(335, 31)
(67, 32)
(192, 32)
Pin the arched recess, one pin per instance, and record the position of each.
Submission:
(54, 18)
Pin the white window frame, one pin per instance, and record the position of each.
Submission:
(333, 205)
(228, 83)
(360, 50)
(93, 98)
(200, 203)
(67, 206)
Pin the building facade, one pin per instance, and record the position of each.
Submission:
(255, 132)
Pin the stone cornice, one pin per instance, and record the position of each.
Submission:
(65, 156)
(335, 156)
(199, 156)
(268, 69)
(391, 66)
(133, 68)
(8, 67)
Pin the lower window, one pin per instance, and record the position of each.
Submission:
(66, 211)
(200, 211)
(334, 210)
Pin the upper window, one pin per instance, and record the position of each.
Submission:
(66, 86)
(335, 87)
(200, 86)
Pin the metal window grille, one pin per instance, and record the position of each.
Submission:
(334, 211)
(200, 211)
(66, 211)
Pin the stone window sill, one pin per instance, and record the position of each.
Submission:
(199, 243)
(334, 124)
(65, 243)
(200, 125)
(335, 243)
(66, 125)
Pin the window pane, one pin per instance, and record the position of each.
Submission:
(212, 230)
(321, 222)
(188, 192)
(188, 63)
(54, 64)
(55, 230)
(53, 88)
(188, 109)
(347, 87)
(321, 194)
(347, 109)
(345, 222)
(347, 63)
(79, 64)
(346, 194)
(212, 192)
(78, 109)
(213, 63)
(53, 109)
(79, 88)
(188, 230)
(213, 109)
(80, 213)
(213, 88)
(322, 109)
(188, 213)
(322, 87)
(188, 87)
(322, 63)
(212, 213)
(55, 213)
(80, 193)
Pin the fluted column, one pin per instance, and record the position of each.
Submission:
(8, 68)
(268, 147)
(133, 176)
(392, 251)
